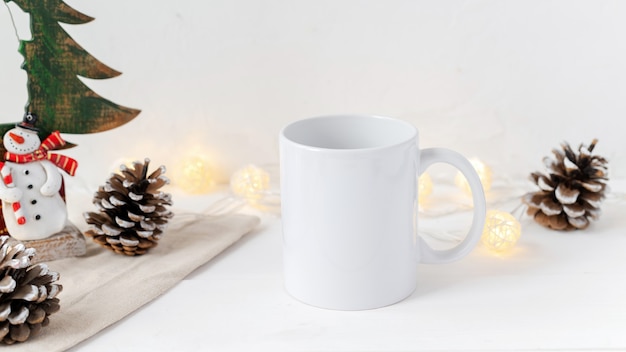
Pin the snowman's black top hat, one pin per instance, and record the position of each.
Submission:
(28, 122)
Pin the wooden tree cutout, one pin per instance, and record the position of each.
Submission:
(53, 61)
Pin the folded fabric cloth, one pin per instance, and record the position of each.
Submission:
(102, 287)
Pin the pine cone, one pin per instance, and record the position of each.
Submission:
(572, 190)
(27, 292)
(132, 211)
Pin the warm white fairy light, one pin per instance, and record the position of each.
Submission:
(501, 231)
(424, 187)
(484, 174)
(194, 175)
(250, 186)
(250, 182)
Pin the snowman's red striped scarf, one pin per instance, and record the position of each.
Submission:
(53, 141)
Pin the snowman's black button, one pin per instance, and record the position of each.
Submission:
(26, 172)
(37, 217)
(34, 201)
(30, 186)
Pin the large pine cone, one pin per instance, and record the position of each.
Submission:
(27, 292)
(572, 191)
(132, 211)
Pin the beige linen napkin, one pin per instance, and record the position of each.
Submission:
(102, 287)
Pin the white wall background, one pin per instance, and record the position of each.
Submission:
(506, 81)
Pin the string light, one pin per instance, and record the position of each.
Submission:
(484, 174)
(195, 175)
(250, 185)
(501, 231)
(424, 187)
(250, 182)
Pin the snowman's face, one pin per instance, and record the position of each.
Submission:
(21, 141)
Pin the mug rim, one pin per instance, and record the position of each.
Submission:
(413, 133)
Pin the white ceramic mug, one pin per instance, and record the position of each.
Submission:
(349, 210)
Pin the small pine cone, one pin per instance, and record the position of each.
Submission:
(27, 292)
(572, 190)
(132, 211)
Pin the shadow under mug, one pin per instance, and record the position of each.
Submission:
(349, 210)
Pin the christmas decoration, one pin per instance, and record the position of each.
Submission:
(28, 293)
(501, 231)
(250, 186)
(250, 183)
(572, 190)
(53, 62)
(32, 190)
(132, 211)
(33, 207)
(195, 175)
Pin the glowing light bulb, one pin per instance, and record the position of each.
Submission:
(195, 175)
(424, 187)
(484, 174)
(501, 231)
(250, 182)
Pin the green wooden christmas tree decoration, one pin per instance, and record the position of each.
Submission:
(53, 62)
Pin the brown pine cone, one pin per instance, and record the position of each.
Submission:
(132, 211)
(27, 292)
(572, 190)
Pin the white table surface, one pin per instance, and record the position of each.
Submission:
(554, 291)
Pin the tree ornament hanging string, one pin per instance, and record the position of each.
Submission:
(17, 35)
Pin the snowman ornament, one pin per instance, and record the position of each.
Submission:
(32, 206)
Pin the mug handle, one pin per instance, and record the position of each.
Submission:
(428, 255)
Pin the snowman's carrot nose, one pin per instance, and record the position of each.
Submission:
(17, 138)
